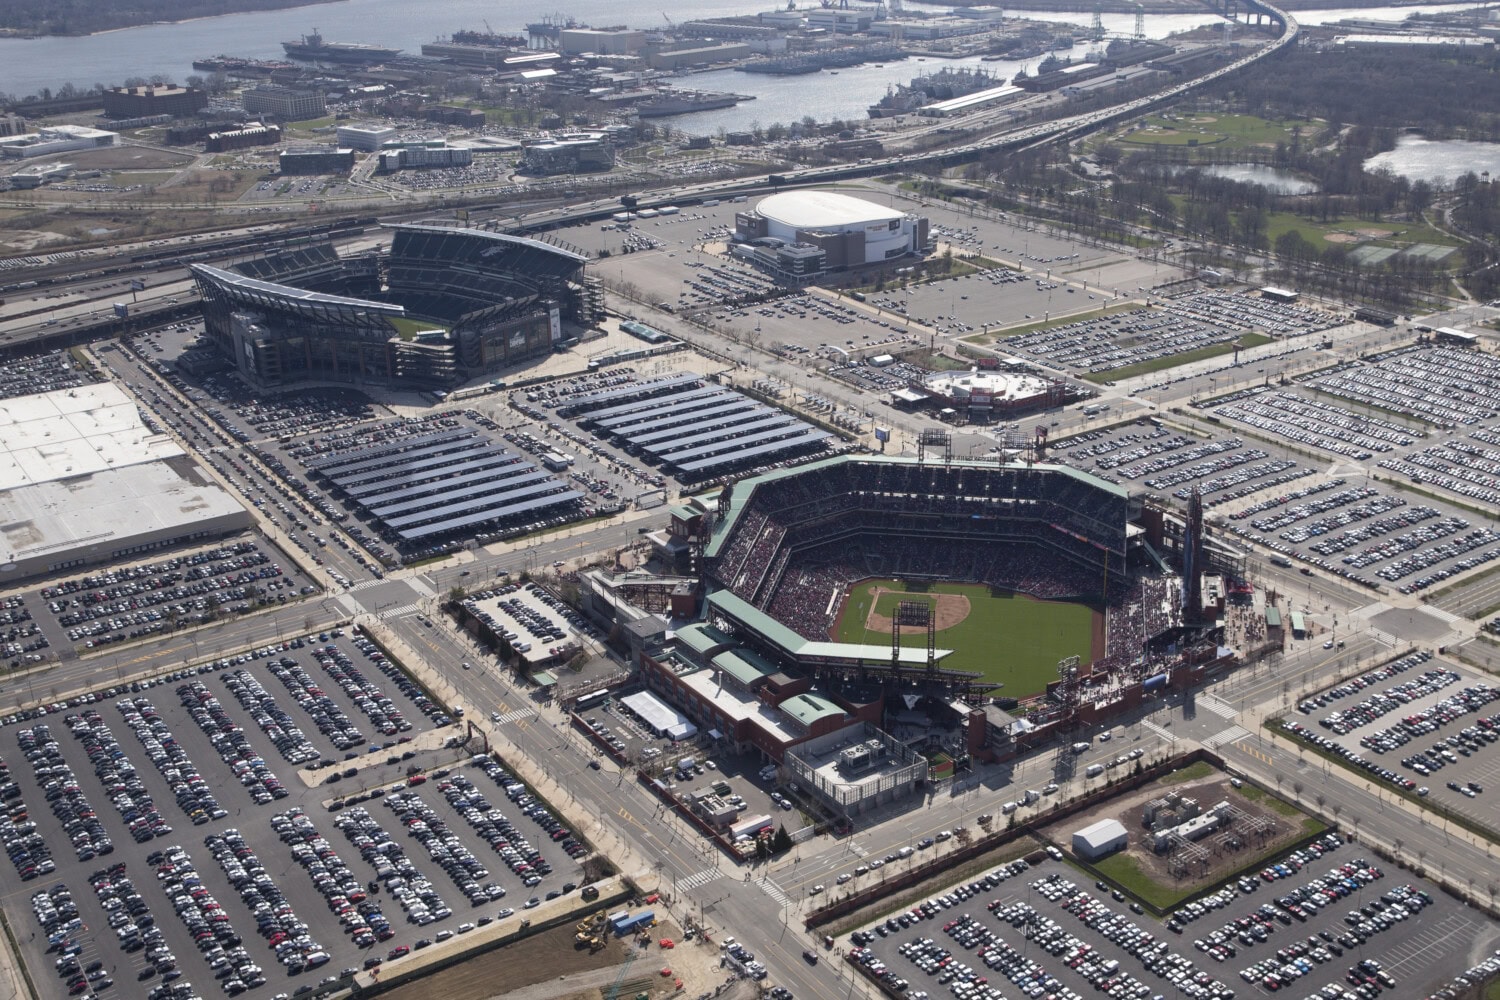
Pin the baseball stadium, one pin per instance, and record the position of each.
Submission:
(971, 576)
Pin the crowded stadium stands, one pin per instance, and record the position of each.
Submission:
(791, 542)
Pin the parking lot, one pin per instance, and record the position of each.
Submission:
(1325, 916)
(1421, 722)
(214, 785)
(1346, 524)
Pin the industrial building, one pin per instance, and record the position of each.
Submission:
(284, 103)
(850, 231)
(302, 160)
(424, 157)
(569, 154)
(1098, 839)
(605, 42)
(242, 138)
(83, 480)
(452, 115)
(56, 139)
(365, 138)
(135, 102)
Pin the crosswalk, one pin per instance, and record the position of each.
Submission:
(1218, 706)
(1438, 612)
(696, 879)
(1152, 727)
(515, 716)
(399, 611)
(1230, 735)
(773, 890)
(1382, 637)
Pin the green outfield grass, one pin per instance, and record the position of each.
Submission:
(1008, 638)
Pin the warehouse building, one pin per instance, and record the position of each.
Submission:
(83, 480)
(1098, 839)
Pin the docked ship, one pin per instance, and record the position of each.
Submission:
(240, 66)
(821, 59)
(681, 102)
(312, 48)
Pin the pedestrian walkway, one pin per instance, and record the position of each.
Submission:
(1152, 727)
(515, 716)
(696, 879)
(1230, 735)
(773, 890)
(1218, 706)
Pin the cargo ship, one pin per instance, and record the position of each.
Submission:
(312, 48)
(681, 102)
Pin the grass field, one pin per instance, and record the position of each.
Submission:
(1175, 128)
(1009, 638)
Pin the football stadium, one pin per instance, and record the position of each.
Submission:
(443, 305)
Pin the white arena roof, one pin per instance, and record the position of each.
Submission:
(74, 432)
(823, 210)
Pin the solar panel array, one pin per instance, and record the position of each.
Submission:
(698, 431)
(423, 488)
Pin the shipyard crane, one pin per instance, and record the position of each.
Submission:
(670, 25)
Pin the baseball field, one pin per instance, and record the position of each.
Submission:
(1007, 637)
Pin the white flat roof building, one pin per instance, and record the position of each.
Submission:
(56, 139)
(74, 432)
(83, 480)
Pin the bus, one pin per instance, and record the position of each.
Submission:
(591, 700)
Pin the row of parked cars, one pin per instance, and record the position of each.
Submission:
(412, 890)
(330, 719)
(24, 845)
(444, 847)
(57, 914)
(1391, 699)
(353, 903)
(60, 786)
(404, 684)
(383, 712)
(229, 739)
(206, 921)
(538, 813)
(275, 920)
(280, 728)
(131, 920)
(1370, 677)
(194, 795)
(118, 776)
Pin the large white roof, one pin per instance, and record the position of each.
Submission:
(823, 210)
(74, 432)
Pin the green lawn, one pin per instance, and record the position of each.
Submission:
(1187, 128)
(1008, 638)
(1401, 233)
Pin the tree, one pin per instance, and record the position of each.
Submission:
(782, 841)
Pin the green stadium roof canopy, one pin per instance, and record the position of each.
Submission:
(797, 646)
(809, 708)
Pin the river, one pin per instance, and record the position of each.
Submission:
(28, 65)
